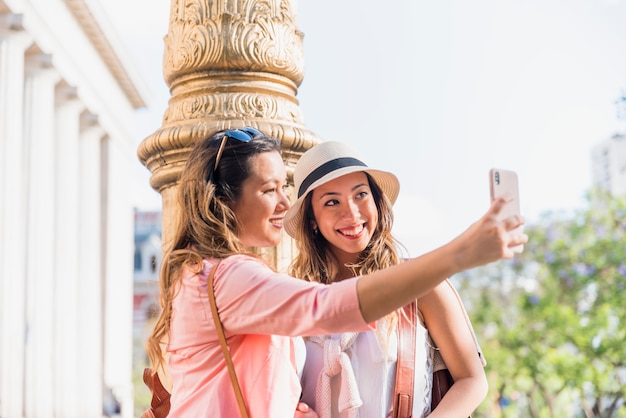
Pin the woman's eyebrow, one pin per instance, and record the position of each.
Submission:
(359, 185)
(337, 193)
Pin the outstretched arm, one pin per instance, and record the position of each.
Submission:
(487, 240)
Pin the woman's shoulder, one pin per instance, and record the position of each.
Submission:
(241, 265)
(237, 261)
(232, 260)
(240, 261)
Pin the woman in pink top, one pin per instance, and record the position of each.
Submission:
(232, 198)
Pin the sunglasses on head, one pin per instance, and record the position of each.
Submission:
(245, 134)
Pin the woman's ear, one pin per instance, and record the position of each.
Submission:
(314, 228)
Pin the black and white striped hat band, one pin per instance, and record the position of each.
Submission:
(326, 168)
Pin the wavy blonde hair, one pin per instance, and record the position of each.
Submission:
(206, 226)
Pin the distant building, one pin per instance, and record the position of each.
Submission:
(609, 165)
(147, 261)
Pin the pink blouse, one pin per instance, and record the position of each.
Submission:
(260, 310)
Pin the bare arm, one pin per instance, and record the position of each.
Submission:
(446, 323)
(485, 241)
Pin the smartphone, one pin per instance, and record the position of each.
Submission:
(504, 183)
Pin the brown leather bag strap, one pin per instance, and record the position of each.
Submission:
(224, 344)
(405, 368)
(160, 404)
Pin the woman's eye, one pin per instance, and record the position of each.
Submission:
(362, 195)
(332, 202)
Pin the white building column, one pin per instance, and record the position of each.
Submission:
(89, 397)
(13, 43)
(66, 335)
(119, 243)
(39, 141)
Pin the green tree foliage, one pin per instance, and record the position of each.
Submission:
(552, 322)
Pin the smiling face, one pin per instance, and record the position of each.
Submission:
(263, 201)
(345, 214)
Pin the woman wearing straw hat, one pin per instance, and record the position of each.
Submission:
(342, 224)
(232, 197)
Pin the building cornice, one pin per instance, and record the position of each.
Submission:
(89, 24)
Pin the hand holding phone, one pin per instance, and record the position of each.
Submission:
(505, 183)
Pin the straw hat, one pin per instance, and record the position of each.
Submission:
(328, 161)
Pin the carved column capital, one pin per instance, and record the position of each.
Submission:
(233, 35)
(228, 63)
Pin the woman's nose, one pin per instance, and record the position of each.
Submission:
(284, 202)
(351, 210)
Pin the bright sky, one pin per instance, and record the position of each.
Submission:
(438, 92)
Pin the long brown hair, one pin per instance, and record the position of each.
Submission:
(206, 226)
(315, 261)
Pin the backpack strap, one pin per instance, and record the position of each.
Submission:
(405, 368)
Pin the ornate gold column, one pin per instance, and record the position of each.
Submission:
(228, 63)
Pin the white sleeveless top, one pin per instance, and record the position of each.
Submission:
(352, 375)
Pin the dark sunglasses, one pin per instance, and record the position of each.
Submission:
(245, 134)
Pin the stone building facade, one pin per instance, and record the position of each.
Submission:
(67, 101)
